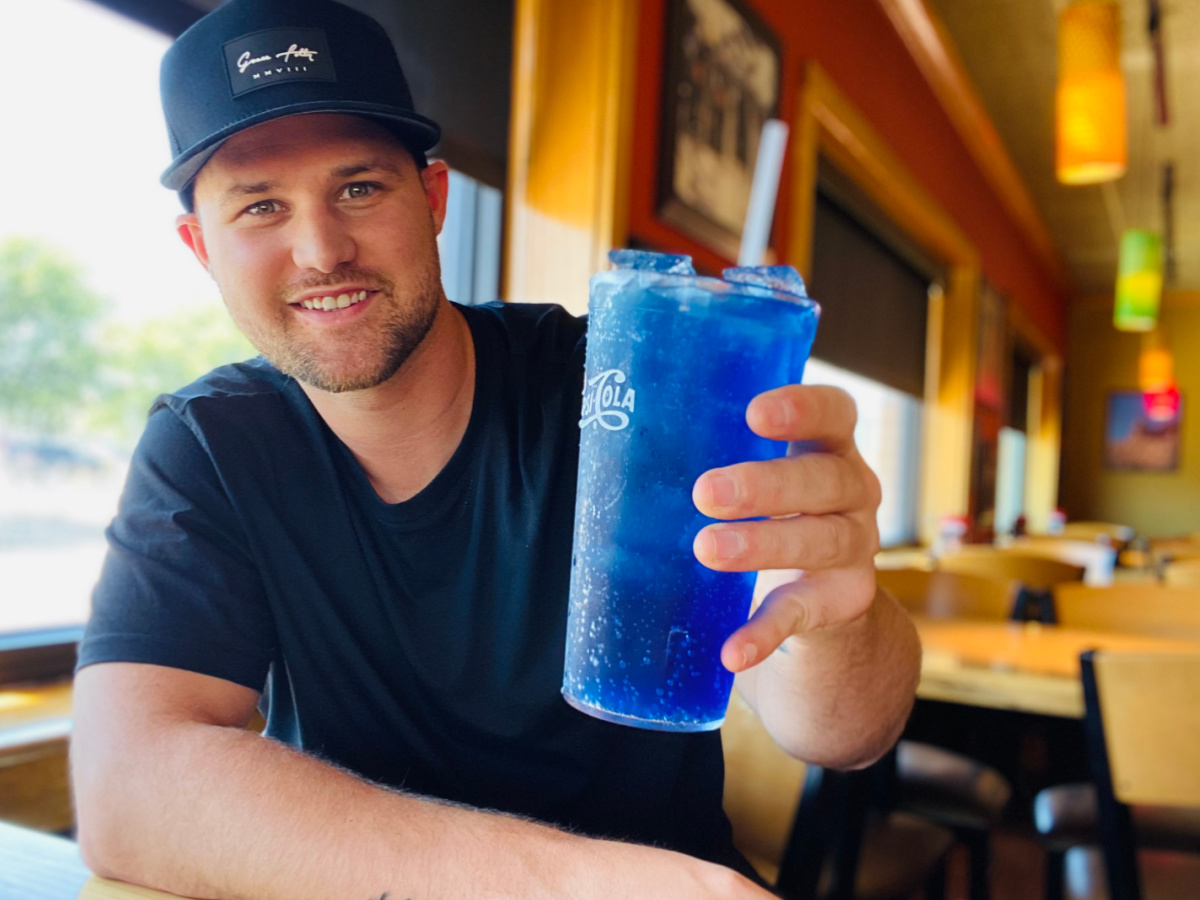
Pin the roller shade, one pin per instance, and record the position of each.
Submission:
(874, 303)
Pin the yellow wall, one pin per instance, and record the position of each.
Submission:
(1101, 359)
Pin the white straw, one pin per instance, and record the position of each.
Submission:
(761, 209)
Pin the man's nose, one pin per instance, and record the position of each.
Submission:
(321, 242)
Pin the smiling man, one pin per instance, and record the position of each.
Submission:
(366, 533)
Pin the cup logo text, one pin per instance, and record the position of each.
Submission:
(605, 400)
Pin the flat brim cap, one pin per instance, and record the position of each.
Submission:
(251, 61)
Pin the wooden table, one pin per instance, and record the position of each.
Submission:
(103, 889)
(1026, 667)
(35, 865)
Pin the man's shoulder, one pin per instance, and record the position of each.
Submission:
(544, 331)
(256, 382)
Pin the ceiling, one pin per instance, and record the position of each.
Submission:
(1009, 50)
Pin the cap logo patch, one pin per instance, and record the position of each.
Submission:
(277, 55)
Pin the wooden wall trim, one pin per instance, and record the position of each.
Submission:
(574, 65)
(936, 56)
(828, 124)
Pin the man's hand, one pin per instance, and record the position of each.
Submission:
(821, 498)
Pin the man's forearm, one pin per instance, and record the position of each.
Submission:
(214, 812)
(840, 696)
(219, 812)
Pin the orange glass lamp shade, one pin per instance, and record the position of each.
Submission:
(1156, 370)
(1090, 99)
(1139, 281)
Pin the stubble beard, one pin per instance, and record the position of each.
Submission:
(384, 348)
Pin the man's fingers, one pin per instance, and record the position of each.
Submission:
(800, 542)
(798, 412)
(814, 600)
(815, 484)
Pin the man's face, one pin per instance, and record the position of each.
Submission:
(321, 234)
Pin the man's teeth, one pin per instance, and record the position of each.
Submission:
(341, 301)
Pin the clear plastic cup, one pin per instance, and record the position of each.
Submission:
(673, 360)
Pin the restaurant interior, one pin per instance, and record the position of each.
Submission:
(993, 201)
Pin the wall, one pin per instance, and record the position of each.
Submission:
(1101, 359)
(855, 44)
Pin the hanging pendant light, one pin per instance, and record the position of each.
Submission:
(1156, 363)
(1090, 99)
(1139, 281)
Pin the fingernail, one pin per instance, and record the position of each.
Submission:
(728, 543)
(778, 413)
(723, 489)
(749, 654)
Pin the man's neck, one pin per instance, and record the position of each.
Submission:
(404, 431)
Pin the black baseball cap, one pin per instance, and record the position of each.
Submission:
(251, 61)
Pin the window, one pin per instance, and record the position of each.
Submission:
(1010, 479)
(888, 436)
(873, 287)
(469, 244)
(103, 306)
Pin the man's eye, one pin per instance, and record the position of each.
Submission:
(359, 190)
(262, 208)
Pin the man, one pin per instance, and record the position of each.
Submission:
(368, 532)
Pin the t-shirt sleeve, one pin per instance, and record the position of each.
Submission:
(178, 587)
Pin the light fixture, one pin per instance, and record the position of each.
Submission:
(1156, 369)
(1090, 98)
(1162, 407)
(1139, 281)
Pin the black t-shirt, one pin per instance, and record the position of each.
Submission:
(419, 643)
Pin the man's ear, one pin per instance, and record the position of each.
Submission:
(188, 227)
(436, 177)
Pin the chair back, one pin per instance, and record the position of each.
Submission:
(1142, 732)
(1148, 609)
(1182, 573)
(1096, 531)
(1097, 559)
(1033, 571)
(763, 786)
(950, 595)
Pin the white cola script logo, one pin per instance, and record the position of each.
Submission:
(246, 60)
(605, 399)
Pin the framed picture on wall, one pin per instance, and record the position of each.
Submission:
(722, 83)
(1141, 432)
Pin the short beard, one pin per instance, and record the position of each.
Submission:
(408, 322)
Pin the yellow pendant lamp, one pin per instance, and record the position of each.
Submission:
(1156, 364)
(1090, 99)
(1139, 281)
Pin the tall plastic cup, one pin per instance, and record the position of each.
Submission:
(673, 360)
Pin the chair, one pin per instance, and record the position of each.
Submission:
(807, 830)
(1149, 609)
(948, 788)
(950, 595)
(1142, 734)
(1097, 559)
(1035, 572)
(1182, 573)
(1116, 535)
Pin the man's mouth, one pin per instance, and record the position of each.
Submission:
(335, 301)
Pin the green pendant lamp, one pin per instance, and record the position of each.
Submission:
(1139, 281)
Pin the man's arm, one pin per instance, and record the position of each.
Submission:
(839, 696)
(829, 662)
(172, 792)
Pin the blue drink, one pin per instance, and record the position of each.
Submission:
(673, 360)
